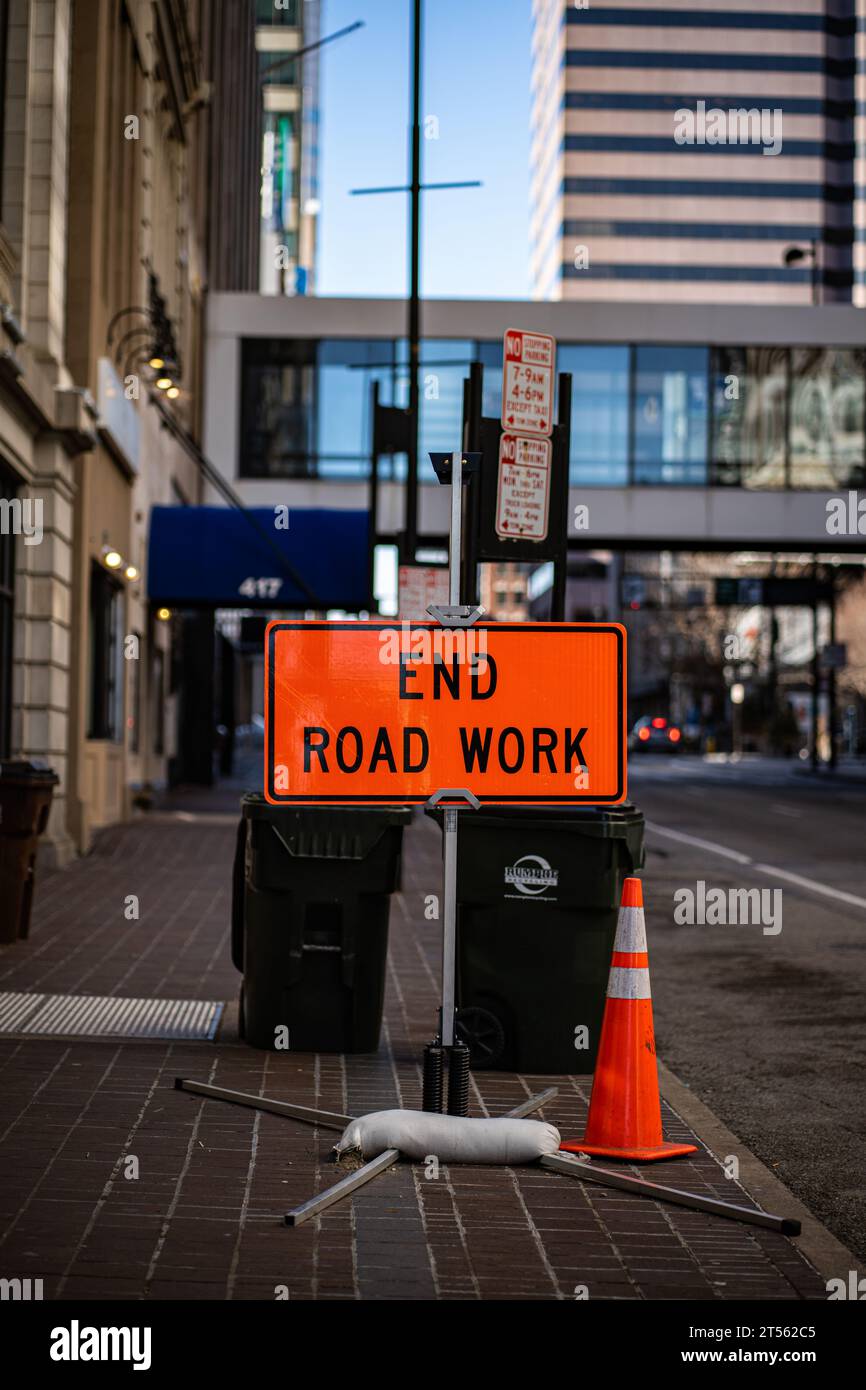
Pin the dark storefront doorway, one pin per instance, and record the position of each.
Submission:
(8, 490)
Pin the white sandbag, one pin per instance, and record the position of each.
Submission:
(418, 1134)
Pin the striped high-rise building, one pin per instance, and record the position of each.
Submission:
(860, 159)
(694, 151)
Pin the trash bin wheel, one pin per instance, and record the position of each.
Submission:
(483, 1034)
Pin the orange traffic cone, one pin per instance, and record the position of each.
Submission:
(625, 1119)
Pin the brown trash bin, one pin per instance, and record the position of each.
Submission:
(25, 802)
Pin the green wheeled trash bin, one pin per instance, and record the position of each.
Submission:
(538, 893)
(311, 899)
(25, 804)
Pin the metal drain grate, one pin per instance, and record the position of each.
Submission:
(97, 1016)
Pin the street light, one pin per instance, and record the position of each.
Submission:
(794, 254)
(415, 188)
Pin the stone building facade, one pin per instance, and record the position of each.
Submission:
(115, 115)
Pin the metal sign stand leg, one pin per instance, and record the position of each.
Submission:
(697, 1201)
(558, 1163)
(454, 468)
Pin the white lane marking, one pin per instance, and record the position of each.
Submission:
(812, 884)
(785, 810)
(699, 844)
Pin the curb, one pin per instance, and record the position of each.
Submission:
(829, 1256)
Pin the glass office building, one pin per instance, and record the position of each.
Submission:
(290, 117)
(666, 415)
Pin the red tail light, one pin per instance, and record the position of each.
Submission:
(643, 734)
(659, 723)
(674, 735)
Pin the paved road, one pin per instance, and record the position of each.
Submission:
(767, 1028)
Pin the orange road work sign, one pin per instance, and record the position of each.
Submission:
(377, 712)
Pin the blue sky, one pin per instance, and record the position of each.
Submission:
(476, 83)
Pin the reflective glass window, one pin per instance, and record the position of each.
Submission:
(749, 410)
(305, 405)
(599, 413)
(444, 364)
(826, 435)
(670, 414)
(275, 69)
(344, 428)
(268, 12)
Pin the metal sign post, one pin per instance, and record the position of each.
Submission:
(455, 468)
(519, 511)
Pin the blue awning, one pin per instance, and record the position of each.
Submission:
(216, 557)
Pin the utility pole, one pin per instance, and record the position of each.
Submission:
(410, 540)
(414, 188)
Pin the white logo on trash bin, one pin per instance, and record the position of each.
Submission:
(532, 875)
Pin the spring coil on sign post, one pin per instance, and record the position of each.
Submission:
(458, 1080)
(433, 1092)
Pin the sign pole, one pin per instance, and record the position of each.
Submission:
(449, 894)
(449, 925)
(563, 443)
(454, 468)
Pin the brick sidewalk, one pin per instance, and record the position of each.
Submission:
(203, 1220)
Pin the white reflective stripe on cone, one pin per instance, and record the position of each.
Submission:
(630, 930)
(628, 982)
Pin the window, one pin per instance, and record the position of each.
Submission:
(277, 401)
(286, 75)
(670, 415)
(826, 434)
(8, 490)
(599, 413)
(271, 13)
(305, 405)
(444, 365)
(344, 425)
(490, 356)
(749, 387)
(280, 175)
(106, 655)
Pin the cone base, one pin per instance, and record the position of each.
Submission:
(645, 1155)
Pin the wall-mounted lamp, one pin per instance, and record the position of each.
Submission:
(794, 254)
(111, 558)
(163, 614)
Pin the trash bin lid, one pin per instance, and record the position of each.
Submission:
(604, 822)
(19, 770)
(326, 832)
